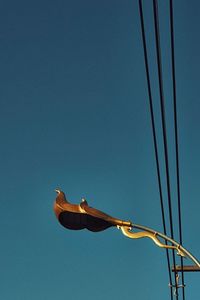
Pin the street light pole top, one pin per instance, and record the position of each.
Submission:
(80, 216)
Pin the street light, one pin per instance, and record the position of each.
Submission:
(81, 216)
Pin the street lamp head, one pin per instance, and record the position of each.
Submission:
(80, 216)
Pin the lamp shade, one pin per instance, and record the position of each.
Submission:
(80, 216)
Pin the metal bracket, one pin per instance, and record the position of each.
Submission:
(177, 285)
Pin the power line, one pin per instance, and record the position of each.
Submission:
(154, 132)
(176, 132)
(162, 104)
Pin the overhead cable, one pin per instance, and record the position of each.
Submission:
(164, 131)
(176, 132)
(154, 133)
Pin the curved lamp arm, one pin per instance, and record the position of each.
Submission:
(152, 234)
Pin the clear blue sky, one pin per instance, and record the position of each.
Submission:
(74, 114)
